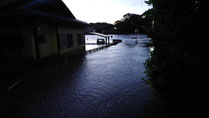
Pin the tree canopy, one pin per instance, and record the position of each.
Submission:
(130, 22)
(178, 65)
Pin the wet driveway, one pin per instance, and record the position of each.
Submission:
(104, 84)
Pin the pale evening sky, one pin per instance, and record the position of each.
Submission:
(109, 11)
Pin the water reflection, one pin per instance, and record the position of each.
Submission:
(107, 83)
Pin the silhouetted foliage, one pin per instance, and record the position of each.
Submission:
(148, 20)
(178, 67)
(130, 22)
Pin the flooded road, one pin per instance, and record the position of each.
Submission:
(104, 84)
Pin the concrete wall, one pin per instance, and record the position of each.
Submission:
(48, 45)
(28, 51)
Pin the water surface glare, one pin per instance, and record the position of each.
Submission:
(104, 84)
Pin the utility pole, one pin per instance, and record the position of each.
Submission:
(108, 37)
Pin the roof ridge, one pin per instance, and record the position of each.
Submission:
(35, 3)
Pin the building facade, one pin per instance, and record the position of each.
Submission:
(36, 29)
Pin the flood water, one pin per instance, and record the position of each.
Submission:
(104, 84)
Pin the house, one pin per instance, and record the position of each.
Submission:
(36, 29)
(104, 28)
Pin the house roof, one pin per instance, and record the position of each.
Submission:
(47, 9)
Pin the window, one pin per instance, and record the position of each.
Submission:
(66, 40)
(80, 39)
(70, 40)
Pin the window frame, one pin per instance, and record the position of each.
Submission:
(66, 40)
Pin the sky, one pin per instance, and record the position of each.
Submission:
(109, 11)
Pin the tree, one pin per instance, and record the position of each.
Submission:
(178, 65)
(148, 21)
(129, 23)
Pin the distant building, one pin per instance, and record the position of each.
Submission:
(35, 29)
(90, 29)
(104, 28)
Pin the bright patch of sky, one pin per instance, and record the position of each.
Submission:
(109, 11)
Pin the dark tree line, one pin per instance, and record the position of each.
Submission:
(178, 69)
(131, 22)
